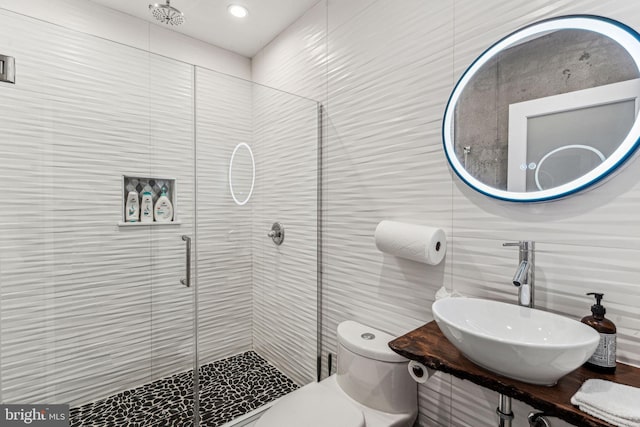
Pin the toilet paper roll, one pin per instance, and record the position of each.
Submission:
(419, 372)
(415, 242)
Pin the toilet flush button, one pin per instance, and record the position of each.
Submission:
(368, 336)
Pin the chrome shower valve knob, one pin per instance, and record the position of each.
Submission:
(276, 233)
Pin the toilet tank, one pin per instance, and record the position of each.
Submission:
(371, 373)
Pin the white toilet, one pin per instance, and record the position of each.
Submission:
(372, 388)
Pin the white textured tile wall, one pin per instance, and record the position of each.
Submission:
(92, 18)
(296, 60)
(165, 42)
(389, 72)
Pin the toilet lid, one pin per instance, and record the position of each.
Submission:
(314, 405)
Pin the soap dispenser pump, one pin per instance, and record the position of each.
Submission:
(163, 210)
(604, 358)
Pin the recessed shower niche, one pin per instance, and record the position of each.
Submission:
(155, 188)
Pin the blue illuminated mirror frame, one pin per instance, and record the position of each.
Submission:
(625, 36)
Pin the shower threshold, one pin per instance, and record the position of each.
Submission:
(229, 388)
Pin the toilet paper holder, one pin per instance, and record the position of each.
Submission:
(419, 372)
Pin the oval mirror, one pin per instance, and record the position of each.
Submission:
(548, 110)
(242, 173)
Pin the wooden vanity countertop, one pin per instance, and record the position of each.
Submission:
(430, 347)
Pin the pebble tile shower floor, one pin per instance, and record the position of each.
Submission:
(228, 388)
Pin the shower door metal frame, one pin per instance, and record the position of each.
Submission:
(319, 217)
(196, 311)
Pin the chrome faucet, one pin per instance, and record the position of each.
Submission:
(525, 276)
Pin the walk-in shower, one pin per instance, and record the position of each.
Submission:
(94, 308)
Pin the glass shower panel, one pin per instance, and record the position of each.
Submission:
(285, 286)
(257, 301)
(92, 314)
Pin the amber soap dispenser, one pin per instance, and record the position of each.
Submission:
(604, 358)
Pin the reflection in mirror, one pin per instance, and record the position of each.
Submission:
(575, 131)
(546, 111)
(242, 173)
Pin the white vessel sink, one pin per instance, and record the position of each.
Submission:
(522, 343)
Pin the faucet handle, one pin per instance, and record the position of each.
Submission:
(524, 245)
(512, 244)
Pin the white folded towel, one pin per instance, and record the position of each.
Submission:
(617, 404)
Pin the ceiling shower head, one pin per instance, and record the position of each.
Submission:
(166, 13)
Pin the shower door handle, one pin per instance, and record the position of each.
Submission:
(187, 282)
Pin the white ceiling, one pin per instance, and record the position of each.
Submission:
(208, 20)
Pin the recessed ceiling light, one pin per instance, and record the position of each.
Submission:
(238, 11)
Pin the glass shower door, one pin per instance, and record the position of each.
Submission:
(92, 311)
(172, 321)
